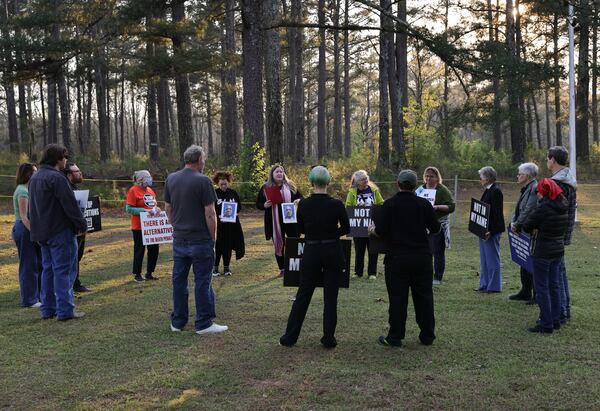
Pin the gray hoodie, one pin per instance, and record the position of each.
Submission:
(567, 182)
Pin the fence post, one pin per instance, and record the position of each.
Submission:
(455, 199)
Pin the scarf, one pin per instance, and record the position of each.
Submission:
(286, 194)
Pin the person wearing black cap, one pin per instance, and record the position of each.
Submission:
(404, 223)
(323, 220)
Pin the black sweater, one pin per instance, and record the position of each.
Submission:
(403, 222)
(494, 197)
(321, 217)
(550, 219)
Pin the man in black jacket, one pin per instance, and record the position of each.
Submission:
(404, 223)
(55, 221)
(75, 177)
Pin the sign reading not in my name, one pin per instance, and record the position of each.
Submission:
(479, 218)
(360, 218)
(519, 250)
(156, 230)
(294, 250)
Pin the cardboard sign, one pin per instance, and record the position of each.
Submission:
(228, 212)
(92, 214)
(294, 249)
(156, 230)
(288, 211)
(360, 218)
(479, 218)
(426, 193)
(519, 250)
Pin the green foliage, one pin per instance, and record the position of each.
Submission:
(252, 169)
(470, 155)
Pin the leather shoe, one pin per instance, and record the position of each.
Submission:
(539, 329)
(519, 297)
(81, 289)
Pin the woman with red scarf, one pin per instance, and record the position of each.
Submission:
(547, 226)
(278, 189)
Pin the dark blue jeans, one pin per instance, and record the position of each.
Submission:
(545, 280)
(59, 270)
(437, 244)
(563, 285)
(29, 264)
(199, 255)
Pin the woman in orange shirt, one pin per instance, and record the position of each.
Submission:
(141, 198)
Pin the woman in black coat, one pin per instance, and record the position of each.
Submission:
(547, 225)
(230, 236)
(275, 229)
(490, 273)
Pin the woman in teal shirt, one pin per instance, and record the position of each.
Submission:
(29, 252)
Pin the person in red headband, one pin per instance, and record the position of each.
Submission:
(547, 226)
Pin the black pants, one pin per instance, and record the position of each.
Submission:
(80, 251)
(437, 245)
(414, 272)
(224, 252)
(526, 284)
(319, 261)
(138, 254)
(360, 246)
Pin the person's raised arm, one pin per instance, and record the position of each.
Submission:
(211, 220)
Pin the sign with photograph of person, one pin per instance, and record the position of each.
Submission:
(360, 218)
(519, 250)
(93, 215)
(294, 250)
(156, 229)
(228, 212)
(426, 193)
(288, 211)
(479, 218)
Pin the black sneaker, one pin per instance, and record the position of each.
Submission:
(150, 277)
(138, 278)
(539, 329)
(384, 341)
(81, 289)
(227, 271)
(519, 297)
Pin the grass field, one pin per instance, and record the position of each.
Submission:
(123, 356)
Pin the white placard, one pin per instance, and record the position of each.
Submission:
(81, 196)
(228, 212)
(288, 211)
(156, 230)
(426, 193)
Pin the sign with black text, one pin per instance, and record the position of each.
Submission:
(156, 229)
(294, 250)
(360, 218)
(93, 215)
(519, 250)
(479, 218)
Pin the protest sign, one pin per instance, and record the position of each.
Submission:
(360, 218)
(479, 218)
(156, 230)
(228, 212)
(377, 245)
(288, 211)
(294, 249)
(426, 193)
(93, 215)
(519, 250)
(81, 196)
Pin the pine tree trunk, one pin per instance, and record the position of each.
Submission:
(515, 114)
(536, 114)
(337, 106)
(547, 115)
(78, 90)
(557, 66)
(384, 128)
(8, 71)
(297, 94)
(162, 90)
(496, 111)
(122, 116)
(209, 117)
(272, 82)
(52, 109)
(43, 109)
(321, 114)
(134, 121)
(252, 72)
(583, 83)
(595, 134)
(228, 91)
(88, 108)
(347, 125)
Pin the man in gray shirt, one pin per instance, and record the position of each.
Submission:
(190, 205)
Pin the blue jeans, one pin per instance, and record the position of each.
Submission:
(490, 276)
(29, 264)
(199, 255)
(59, 270)
(563, 286)
(546, 277)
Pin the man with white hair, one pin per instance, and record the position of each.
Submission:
(190, 205)
(527, 202)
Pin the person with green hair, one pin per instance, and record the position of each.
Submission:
(363, 193)
(323, 220)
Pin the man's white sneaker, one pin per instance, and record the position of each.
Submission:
(175, 330)
(213, 329)
(36, 305)
(436, 282)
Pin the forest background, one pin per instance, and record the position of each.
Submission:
(381, 84)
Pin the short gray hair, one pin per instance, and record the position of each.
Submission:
(193, 153)
(488, 173)
(529, 169)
